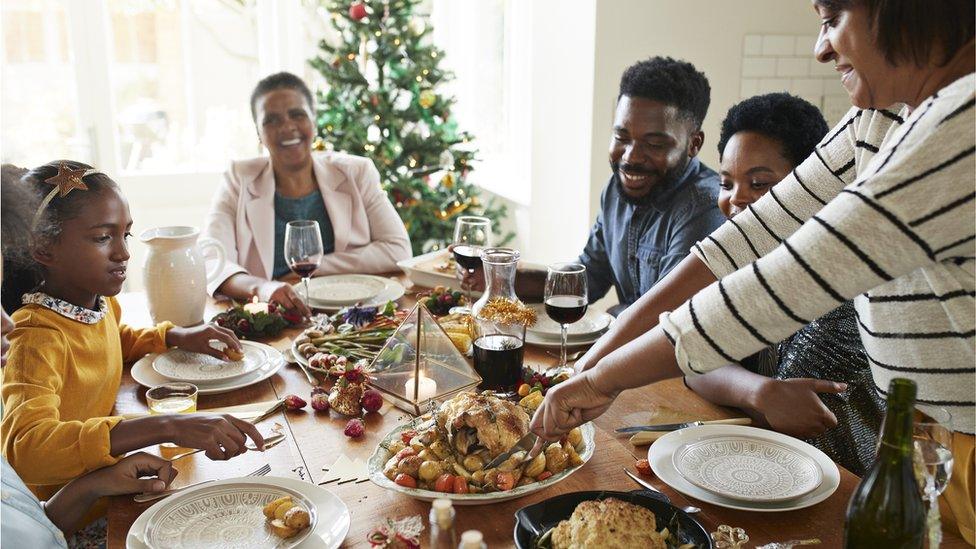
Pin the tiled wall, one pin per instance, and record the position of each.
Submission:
(774, 63)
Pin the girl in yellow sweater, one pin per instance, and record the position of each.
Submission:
(66, 353)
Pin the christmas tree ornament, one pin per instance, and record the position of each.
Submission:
(446, 160)
(373, 134)
(357, 11)
(426, 99)
(417, 26)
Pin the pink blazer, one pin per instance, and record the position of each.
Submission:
(369, 235)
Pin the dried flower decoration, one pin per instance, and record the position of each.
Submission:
(508, 311)
(404, 532)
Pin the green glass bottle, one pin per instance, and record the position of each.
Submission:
(886, 510)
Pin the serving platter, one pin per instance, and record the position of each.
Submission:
(374, 468)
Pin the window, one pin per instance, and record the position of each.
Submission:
(486, 51)
(178, 73)
(37, 94)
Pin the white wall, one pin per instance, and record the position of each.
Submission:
(707, 33)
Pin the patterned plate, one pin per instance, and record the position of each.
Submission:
(182, 365)
(344, 289)
(223, 517)
(749, 469)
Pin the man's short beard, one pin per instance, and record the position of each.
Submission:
(670, 176)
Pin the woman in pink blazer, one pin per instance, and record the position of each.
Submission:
(361, 231)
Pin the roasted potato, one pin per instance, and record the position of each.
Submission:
(410, 466)
(430, 470)
(473, 463)
(396, 446)
(536, 466)
(281, 529)
(575, 437)
(574, 457)
(282, 509)
(556, 459)
(296, 518)
(269, 509)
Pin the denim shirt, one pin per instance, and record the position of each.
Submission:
(23, 523)
(310, 206)
(633, 246)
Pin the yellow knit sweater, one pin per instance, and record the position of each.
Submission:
(59, 389)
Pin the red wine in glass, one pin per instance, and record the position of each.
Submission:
(468, 257)
(304, 269)
(498, 360)
(566, 309)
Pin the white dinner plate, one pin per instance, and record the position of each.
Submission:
(391, 291)
(345, 289)
(661, 451)
(547, 343)
(381, 455)
(180, 365)
(328, 531)
(593, 323)
(747, 468)
(143, 374)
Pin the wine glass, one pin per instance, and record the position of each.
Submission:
(303, 249)
(566, 301)
(932, 439)
(471, 235)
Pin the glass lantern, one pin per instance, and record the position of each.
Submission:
(419, 364)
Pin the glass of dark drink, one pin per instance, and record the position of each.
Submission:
(303, 249)
(566, 301)
(498, 360)
(471, 235)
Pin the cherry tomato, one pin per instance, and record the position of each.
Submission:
(404, 479)
(460, 485)
(444, 483)
(407, 436)
(505, 480)
(544, 475)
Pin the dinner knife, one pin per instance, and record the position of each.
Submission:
(676, 426)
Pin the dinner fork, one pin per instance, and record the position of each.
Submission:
(152, 496)
(790, 544)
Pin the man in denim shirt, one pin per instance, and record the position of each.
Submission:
(660, 199)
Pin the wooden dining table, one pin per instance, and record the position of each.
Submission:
(316, 440)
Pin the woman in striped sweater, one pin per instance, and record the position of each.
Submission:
(882, 212)
(762, 141)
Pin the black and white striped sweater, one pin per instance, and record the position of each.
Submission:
(883, 210)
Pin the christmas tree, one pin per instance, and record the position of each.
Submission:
(382, 73)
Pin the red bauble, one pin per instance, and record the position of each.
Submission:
(357, 11)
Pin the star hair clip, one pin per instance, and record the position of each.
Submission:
(64, 182)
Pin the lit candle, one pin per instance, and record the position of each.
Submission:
(426, 388)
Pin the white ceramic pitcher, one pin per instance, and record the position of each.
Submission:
(175, 273)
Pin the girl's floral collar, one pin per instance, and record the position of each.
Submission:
(68, 310)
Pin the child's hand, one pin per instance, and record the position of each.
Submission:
(197, 339)
(125, 476)
(221, 436)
